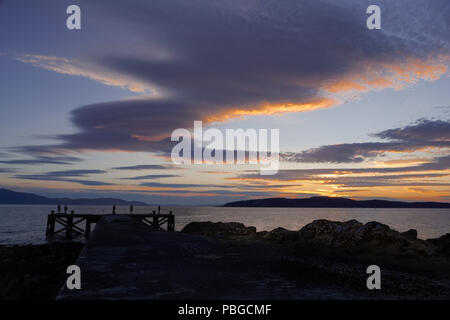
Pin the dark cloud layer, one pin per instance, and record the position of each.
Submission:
(64, 160)
(438, 164)
(408, 176)
(181, 185)
(62, 179)
(421, 135)
(151, 177)
(73, 173)
(65, 176)
(145, 167)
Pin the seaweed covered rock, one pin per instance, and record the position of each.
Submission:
(209, 228)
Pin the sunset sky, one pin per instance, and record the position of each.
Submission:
(89, 113)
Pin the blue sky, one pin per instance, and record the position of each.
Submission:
(77, 100)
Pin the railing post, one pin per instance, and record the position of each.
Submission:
(171, 222)
(155, 220)
(87, 229)
(69, 225)
(50, 224)
(47, 229)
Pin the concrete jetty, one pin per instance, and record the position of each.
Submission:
(126, 259)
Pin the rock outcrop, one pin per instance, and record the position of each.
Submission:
(209, 228)
(349, 236)
(372, 236)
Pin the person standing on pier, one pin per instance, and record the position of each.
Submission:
(159, 209)
(59, 208)
(65, 209)
(114, 209)
(131, 209)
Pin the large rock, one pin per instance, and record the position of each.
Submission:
(372, 236)
(279, 235)
(331, 233)
(411, 233)
(209, 228)
(442, 243)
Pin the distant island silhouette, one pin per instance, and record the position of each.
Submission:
(333, 202)
(13, 197)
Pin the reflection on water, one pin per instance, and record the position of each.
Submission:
(20, 224)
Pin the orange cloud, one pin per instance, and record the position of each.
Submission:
(83, 69)
(388, 75)
(372, 76)
(271, 109)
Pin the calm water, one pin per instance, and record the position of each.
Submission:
(26, 224)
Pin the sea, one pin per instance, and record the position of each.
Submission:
(25, 224)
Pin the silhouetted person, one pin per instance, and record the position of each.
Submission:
(159, 209)
(65, 209)
(114, 209)
(131, 209)
(59, 208)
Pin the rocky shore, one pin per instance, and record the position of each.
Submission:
(35, 271)
(322, 253)
(348, 236)
(412, 268)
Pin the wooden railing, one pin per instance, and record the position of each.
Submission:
(71, 224)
